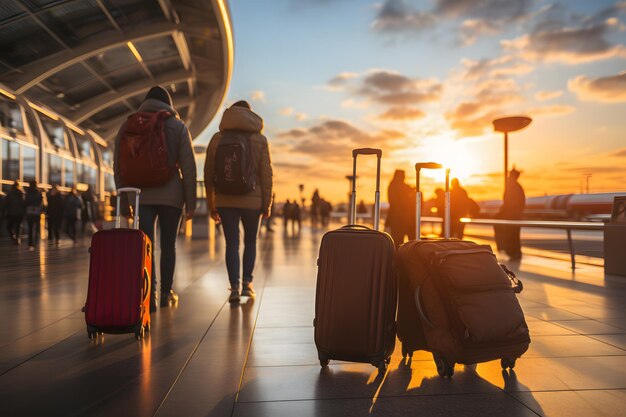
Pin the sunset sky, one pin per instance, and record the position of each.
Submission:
(423, 79)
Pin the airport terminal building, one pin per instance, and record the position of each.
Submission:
(71, 71)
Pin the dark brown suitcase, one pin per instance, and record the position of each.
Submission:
(356, 295)
(457, 302)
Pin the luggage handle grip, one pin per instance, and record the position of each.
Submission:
(367, 151)
(355, 226)
(118, 216)
(418, 199)
(420, 310)
(352, 213)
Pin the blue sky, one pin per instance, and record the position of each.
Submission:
(423, 80)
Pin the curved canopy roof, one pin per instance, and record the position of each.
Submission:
(92, 61)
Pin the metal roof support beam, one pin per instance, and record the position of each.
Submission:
(95, 105)
(38, 71)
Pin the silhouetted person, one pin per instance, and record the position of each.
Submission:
(513, 204)
(72, 208)
(460, 204)
(239, 123)
(325, 209)
(34, 208)
(401, 214)
(361, 208)
(163, 204)
(15, 210)
(89, 208)
(55, 213)
(286, 214)
(296, 216)
(315, 207)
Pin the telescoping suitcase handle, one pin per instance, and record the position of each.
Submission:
(118, 214)
(379, 154)
(418, 198)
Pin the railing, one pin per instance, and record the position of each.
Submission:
(544, 224)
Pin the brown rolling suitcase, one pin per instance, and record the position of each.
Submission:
(356, 294)
(456, 301)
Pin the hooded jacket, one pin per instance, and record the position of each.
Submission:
(181, 188)
(242, 119)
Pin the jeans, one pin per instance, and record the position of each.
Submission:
(33, 228)
(230, 222)
(169, 218)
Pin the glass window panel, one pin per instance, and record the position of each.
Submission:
(107, 157)
(55, 168)
(10, 160)
(29, 163)
(68, 78)
(84, 146)
(69, 173)
(112, 60)
(160, 47)
(162, 66)
(23, 41)
(54, 130)
(109, 182)
(128, 12)
(10, 115)
(92, 177)
(126, 76)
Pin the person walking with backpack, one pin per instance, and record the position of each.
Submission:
(15, 208)
(54, 211)
(153, 152)
(238, 180)
(72, 208)
(34, 208)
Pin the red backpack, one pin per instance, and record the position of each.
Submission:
(143, 150)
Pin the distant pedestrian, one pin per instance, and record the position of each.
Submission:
(460, 205)
(513, 204)
(34, 208)
(325, 210)
(286, 214)
(315, 207)
(54, 211)
(401, 214)
(162, 202)
(239, 186)
(72, 209)
(15, 210)
(89, 208)
(295, 216)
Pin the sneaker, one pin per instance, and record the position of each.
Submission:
(169, 298)
(247, 291)
(234, 296)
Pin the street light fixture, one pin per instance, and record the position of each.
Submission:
(506, 125)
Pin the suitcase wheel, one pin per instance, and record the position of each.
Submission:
(139, 333)
(92, 334)
(507, 363)
(406, 352)
(445, 369)
(382, 367)
(324, 362)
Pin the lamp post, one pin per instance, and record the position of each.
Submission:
(506, 125)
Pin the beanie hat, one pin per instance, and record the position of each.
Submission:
(159, 93)
(242, 103)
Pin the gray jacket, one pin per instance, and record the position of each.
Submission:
(243, 120)
(181, 188)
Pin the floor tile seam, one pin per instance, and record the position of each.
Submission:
(605, 342)
(38, 353)
(191, 355)
(40, 329)
(450, 394)
(582, 334)
(569, 390)
(266, 253)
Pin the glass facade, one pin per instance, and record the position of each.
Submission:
(10, 160)
(10, 115)
(55, 169)
(29, 163)
(69, 172)
(54, 130)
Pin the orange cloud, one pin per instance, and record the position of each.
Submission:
(402, 114)
(547, 95)
(555, 110)
(611, 89)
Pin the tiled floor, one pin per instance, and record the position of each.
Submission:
(207, 358)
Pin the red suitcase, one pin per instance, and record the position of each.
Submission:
(456, 301)
(356, 294)
(118, 297)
